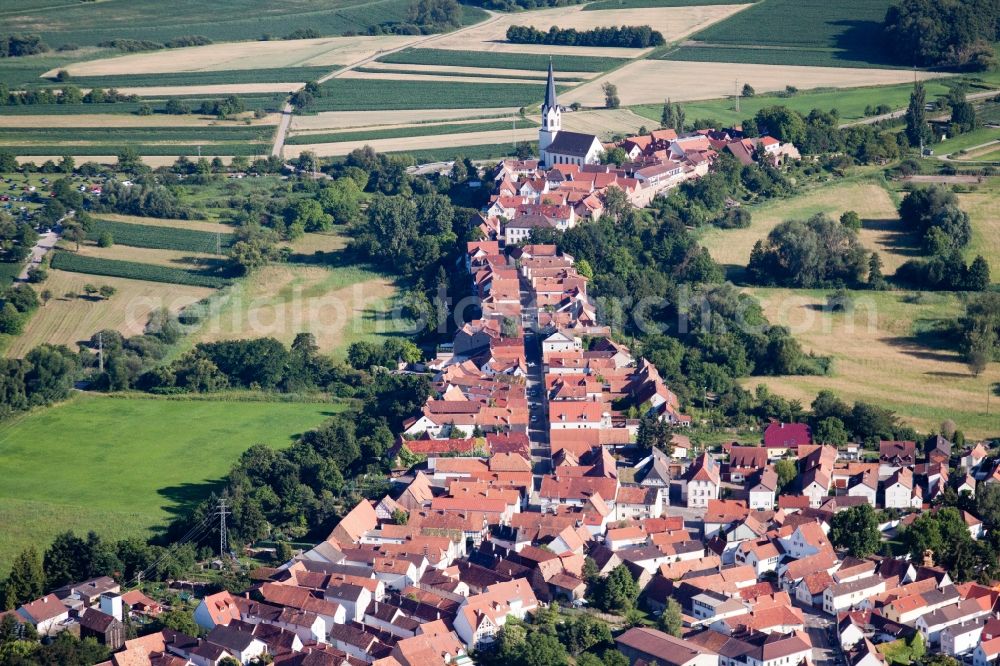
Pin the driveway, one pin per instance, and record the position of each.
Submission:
(45, 243)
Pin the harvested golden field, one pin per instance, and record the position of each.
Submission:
(603, 121)
(983, 207)
(879, 357)
(171, 258)
(674, 22)
(880, 226)
(429, 76)
(417, 142)
(244, 55)
(197, 225)
(338, 306)
(126, 120)
(213, 89)
(336, 120)
(652, 81)
(68, 319)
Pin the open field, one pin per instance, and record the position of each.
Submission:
(880, 355)
(160, 237)
(603, 122)
(880, 225)
(983, 207)
(477, 73)
(122, 466)
(105, 152)
(437, 77)
(847, 32)
(966, 141)
(268, 75)
(336, 120)
(639, 4)
(70, 319)
(479, 60)
(103, 120)
(674, 22)
(122, 135)
(218, 89)
(339, 306)
(193, 261)
(682, 81)
(327, 52)
(410, 130)
(270, 102)
(849, 102)
(197, 225)
(369, 94)
(220, 20)
(100, 266)
(149, 160)
(411, 144)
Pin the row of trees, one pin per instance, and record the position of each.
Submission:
(67, 94)
(627, 36)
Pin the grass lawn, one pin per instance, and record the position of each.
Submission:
(983, 207)
(966, 141)
(849, 102)
(123, 466)
(880, 225)
(887, 352)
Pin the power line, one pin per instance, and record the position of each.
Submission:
(195, 532)
(222, 527)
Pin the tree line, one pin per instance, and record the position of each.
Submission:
(22, 44)
(945, 33)
(626, 36)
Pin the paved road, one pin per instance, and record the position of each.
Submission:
(279, 137)
(45, 243)
(818, 624)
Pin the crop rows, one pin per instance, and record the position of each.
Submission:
(776, 56)
(533, 61)
(805, 23)
(480, 152)
(88, 24)
(252, 102)
(160, 238)
(70, 261)
(370, 95)
(540, 76)
(264, 75)
(119, 135)
(152, 150)
(418, 130)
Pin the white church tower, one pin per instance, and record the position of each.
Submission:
(551, 116)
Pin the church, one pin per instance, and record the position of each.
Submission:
(556, 146)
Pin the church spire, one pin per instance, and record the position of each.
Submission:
(550, 89)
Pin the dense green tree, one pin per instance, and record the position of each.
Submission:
(918, 132)
(787, 471)
(808, 253)
(618, 591)
(26, 581)
(856, 529)
(671, 621)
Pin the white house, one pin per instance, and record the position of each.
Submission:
(216, 609)
(702, 482)
(844, 596)
(481, 616)
(899, 490)
(986, 653)
(762, 490)
(961, 638)
(932, 624)
(353, 598)
(561, 341)
(46, 614)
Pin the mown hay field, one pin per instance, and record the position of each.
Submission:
(884, 352)
(881, 229)
(683, 81)
(71, 317)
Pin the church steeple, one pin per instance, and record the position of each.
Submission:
(550, 90)
(551, 117)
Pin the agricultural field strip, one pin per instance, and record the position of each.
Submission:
(139, 135)
(411, 144)
(232, 76)
(443, 78)
(251, 102)
(652, 4)
(360, 94)
(127, 121)
(484, 60)
(69, 261)
(160, 237)
(474, 75)
(412, 130)
(108, 151)
(389, 126)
